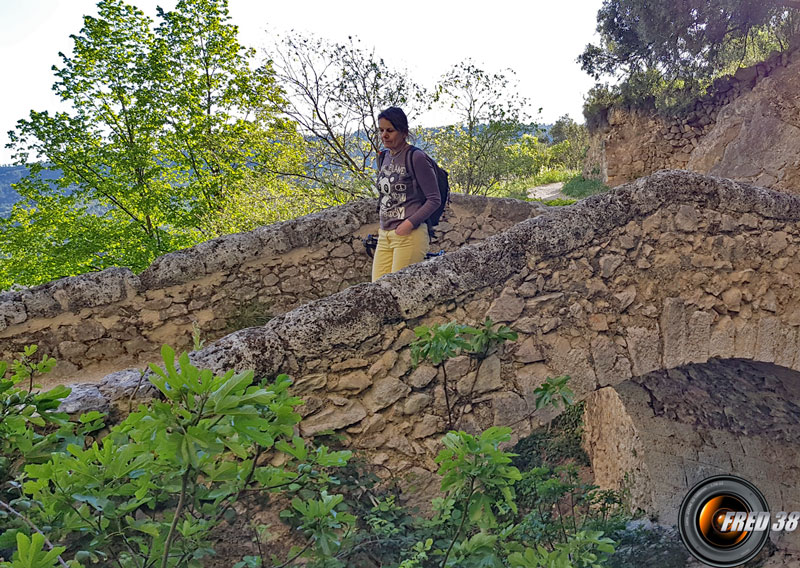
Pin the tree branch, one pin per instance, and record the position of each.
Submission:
(28, 522)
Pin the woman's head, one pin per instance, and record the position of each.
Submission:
(393, 127)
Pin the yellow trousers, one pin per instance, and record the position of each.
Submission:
(394, 252)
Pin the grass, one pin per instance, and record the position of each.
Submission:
(558, 202)
(575, 186)
(518, 188)
(580, 187)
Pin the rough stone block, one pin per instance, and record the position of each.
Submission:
(333, 418)
(356, 381)
(695, 471)
(12, 313)
(417, 402)
(644, 348)
(509, 409)
(745, 338)
(507, 308)
(84, 398)
(786, 347)
(673, 330)
(385, 392)
(721, 343)
(768, 333)
(488, 378)
(697, 337)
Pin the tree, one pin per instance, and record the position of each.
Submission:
(570, 141)
(691, 39)
(166, 126)
(490, 116)
(335, 93)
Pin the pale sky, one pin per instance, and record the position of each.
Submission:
(538, 39)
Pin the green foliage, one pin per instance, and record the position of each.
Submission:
(489, 117)
(689, 40)
(31, 431)
(583, 550)
(31, 553)
(167, 126)
(580, 187)
(441, 342)
(668, 53)
(557, 443)
(528, 156)
(557, 504)
(151, 490)
(552, 175)
(552, 391)
(197, 337)
(570, 142)
(31, 427)
(536, 160)
(490, 513)
(484, 338)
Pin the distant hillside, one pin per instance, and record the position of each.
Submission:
(10, 175)
(8, 197)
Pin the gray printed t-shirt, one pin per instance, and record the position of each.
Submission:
(402, 199)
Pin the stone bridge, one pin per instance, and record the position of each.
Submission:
(671, 301)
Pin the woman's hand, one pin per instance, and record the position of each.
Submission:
(404, 228)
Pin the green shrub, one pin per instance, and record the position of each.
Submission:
(441, 342)
(150, 491)
(559, 202)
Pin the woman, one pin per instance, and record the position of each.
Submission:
(409, 194)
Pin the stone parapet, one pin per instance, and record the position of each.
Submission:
(99, 322)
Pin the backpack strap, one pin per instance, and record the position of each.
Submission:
(410, 164)
(381, 157)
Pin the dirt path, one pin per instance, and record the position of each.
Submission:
(547, 192)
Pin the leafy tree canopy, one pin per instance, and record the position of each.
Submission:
(167, 125)
(688, 39)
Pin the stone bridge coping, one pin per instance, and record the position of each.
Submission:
(217, 255)
(359, 312)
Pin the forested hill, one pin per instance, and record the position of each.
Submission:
(9, 175)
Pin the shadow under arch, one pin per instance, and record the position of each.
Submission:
(660, 433)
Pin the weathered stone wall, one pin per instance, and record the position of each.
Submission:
(747, 128)
(99, 322)
(661, 433)
(673, 269)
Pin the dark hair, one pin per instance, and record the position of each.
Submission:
(397, 117)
